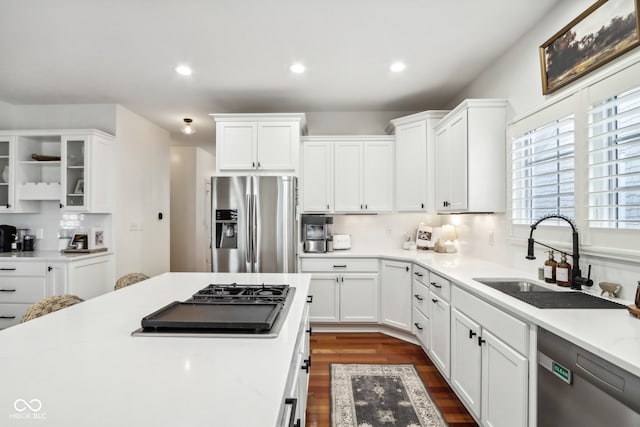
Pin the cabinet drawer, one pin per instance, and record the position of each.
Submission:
(339, 265)
(422, 328)
(22, 289)
(8, 269)
(512, 331)
(420, 296)
(421, 274)
(440, 286)
(11, 314)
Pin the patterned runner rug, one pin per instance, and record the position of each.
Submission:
(380, 396)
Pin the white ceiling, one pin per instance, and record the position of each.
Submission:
(125, 52)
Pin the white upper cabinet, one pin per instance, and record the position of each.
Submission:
(87, 173)
(6, 173)
(317, 179)
(258, 143)
(347, 174)
(363, 175)
(71, 167)
(414, 161)
(470, 157)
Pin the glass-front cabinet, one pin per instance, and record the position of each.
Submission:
(73, 173)
(72, 168)
(6, 179)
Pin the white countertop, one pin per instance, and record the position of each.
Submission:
(85, 368)
(47, 256)
(613, 334)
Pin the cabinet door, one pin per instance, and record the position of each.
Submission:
(90, 277)
(7, 185)
(377, 179)
(466, 354)
(275, 149)
(504, 384)
(443, 168)
(74, 177)
(237, 144)
(395, 294)
(458, 162)
(440, 333)
(411, 167)
(347, 176)
(316, 176)
(422, 328)
(359, 297)
(325, 306)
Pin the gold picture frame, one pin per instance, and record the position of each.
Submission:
(601, 33)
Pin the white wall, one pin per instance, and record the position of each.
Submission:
(191, 169)
(142, 192)
(351, 123)
(6, 115)
(72, 116)
(516, 76)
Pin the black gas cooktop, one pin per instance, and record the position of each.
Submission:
(223, 310)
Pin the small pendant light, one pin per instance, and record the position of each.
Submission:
(188, 129)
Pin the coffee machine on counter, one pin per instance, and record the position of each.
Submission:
(7, 237)
(317, 233)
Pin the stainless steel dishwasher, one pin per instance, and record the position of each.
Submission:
(578, 388)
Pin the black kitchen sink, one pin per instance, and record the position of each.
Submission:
(553, 299)
(542, 297)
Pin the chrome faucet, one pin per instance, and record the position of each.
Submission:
(577, 281)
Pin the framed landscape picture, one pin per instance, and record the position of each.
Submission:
(606, 30)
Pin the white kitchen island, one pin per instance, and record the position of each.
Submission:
(82, 367)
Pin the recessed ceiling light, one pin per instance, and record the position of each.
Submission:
(396, 67)
(183, 70)
(297, 68)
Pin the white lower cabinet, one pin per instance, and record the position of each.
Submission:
(344, 298)
(440, 333)
(343, 289)
(466, 359)
(395, 291)
(90, 277)
(504, 384)
(295, 394)
(487, 372)
(21, 285)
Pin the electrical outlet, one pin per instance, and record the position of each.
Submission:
(491, 238)
(388, 232)
(40, 233)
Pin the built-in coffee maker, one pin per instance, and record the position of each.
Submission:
(317, 233)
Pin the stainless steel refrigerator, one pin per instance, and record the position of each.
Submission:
(253, 224)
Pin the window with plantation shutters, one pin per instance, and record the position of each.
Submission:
(542, 171)
(614, 162)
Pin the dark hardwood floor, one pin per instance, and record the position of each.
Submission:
(329, 348)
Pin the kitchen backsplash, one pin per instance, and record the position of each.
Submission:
(383, 231)
(485, 236)
(54, 223)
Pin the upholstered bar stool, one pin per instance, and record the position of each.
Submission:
(129, 279)
(49, 305)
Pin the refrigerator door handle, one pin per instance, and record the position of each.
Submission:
(254, 233)
(248, 234)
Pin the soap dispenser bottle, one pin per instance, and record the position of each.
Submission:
(550, 269)
(563, 271)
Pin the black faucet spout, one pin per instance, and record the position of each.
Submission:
(576, 275)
